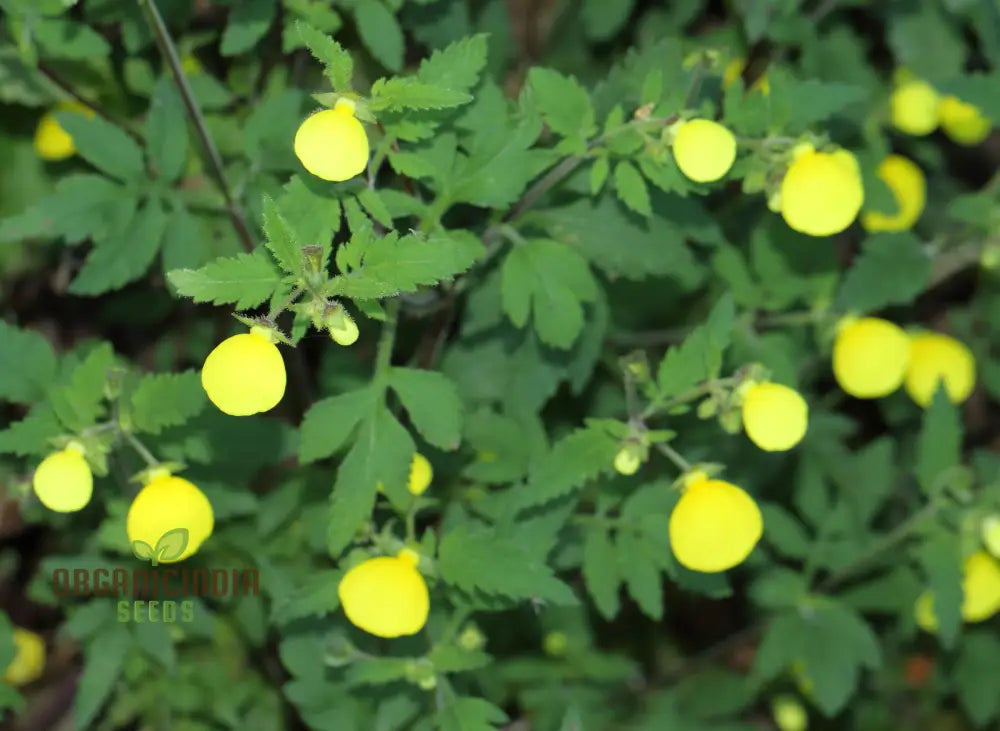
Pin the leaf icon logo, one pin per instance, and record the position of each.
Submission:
(169, 547)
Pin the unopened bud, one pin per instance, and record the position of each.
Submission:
(341, 326)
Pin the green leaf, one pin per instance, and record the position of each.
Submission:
(387, 266)
(382, 454)
(166, 131)
(315, 216)
(978, 90)
(456, 66)
(603, 19)
(784, 532)
(805, 102)
(371, 201)
(554, 281)
(975, 678)
(27, 364)
(601, 572)
(631, 188)
(925, 40)
(166, 399)
(432, 403)
(452, 659)
(63, 39)
(470, 714)
(642, 577)
(124, 257)
(377, 671)
(574, 459)
(563, 103)
(598, 174)
(245, 280)
(316, 597)
(380, 32)
(408, 93)
(248, 23)
(892, 269)
(940, 442)
(104, 146)
(940, 557)
(78, 401)
(31, 435)
(281, 239)
(329, 422)
(337, 63)
(171, 544)
(469, 559)
(699, 357)
(154, 639)
(104, 660)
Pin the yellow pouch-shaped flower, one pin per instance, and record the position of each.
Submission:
(821, 192)
(704, 150)
(29, 662)
(63, 481)
(936, 357)
(332, 144)
(980, 593)
(168, 503)
(245, 374)
(52, 142)
(870, 356)
(714, 526)
(775, 417)
(385, 596)
(421, 474)
(909, 188)
(963, 123)
(913, 107)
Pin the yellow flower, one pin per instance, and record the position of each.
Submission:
(789, 714)
(168, 503)
(714, 526)
(990, 530)
(245, 374)
(909, 188)
(342, 328)
(980, 593)
(385, 596)
(936, 357)
(775, 417)
(704, 150)
(870, 356)
(29, 662)
(821, 192)
(628, 460)
(332, 144)
(52, 142)
(63, 481)
(421, 474)
(734, 70)
(914, 107)
(963, 123)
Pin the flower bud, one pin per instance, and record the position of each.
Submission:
(341, 326)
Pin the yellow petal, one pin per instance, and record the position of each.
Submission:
(963, 123)
(821, 193)
(63, 481)
(244, 375)
(914, 107)
(29, 660)
(980, 587)
(421, 474)
(909, 188)
(386, 597)
(627, 461)
(704, 150)
(935, 357)
(870, 356)
(165, 504)
(714, 526)
(775, 417)
(332, 144)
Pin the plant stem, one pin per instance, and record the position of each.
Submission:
(139, 447)
(169, 51)
(674, 456)
(278, 309)
(386, 341)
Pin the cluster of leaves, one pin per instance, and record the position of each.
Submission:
(501, 252)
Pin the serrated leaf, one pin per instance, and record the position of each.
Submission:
(244, 280)
(602, 19)
(892, 269)
(371, 201)
(31, 435)
(167, 131)
(564, 104)
(940, 557)
(407, 93)
(329, 422)
(337, 63)
(642, 577)
(316, 597)
(553, 281)
(940, 442)
(784, 532)
(281, 238)
(977, 89)
(248, 23)
(601, 572)
(470, 714)
(431, 400)
(699, 357)
(631, 188)
(64, 39)
(78, 401)
(598, 174)
(382, 454)
(124, 257)
(104, 145)
(457, 66)
(975, 678)
(807, 102)
(166, 399)
(468, 558)
(27, 364)
(104, 660)
(387, 266)
(380, 32)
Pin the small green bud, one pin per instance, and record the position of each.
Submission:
(555, 644)
(708, 408)
(471, 639)
(731, 421)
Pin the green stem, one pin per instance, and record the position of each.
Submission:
(139, 447)
(701, 390)
(386, 342)
(169, 51)
(674, 456)
(278, 309)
